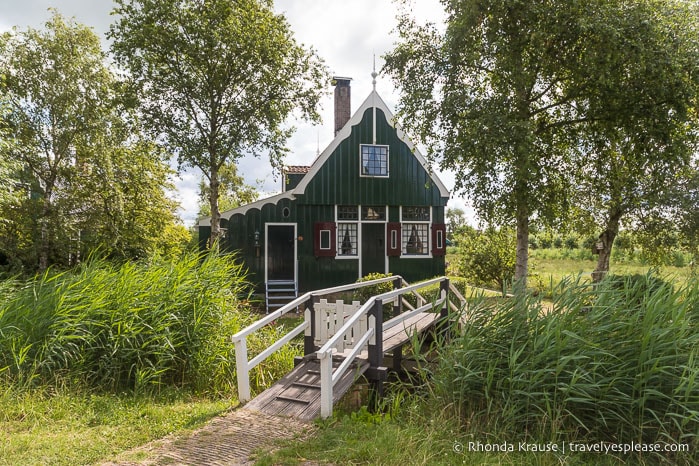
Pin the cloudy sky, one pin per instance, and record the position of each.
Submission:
(346, 34)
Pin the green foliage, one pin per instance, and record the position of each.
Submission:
(139, 326)
(365, 293)
(233, 192)
(216, 80)
(532, 111)
(604, 364)
(83, 176)
(487, 258)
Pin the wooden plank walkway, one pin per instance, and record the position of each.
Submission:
(297, 394)
(399, 334)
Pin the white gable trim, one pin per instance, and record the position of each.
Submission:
(374, 100)
(206, 221)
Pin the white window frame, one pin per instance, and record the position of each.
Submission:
(361, 161)
(338, 224)
(404, 225)
(341, 226)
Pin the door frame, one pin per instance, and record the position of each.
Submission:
(273, 224)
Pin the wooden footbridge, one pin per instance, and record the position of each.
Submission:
(342, 341)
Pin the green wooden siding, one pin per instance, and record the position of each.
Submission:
(338, 182)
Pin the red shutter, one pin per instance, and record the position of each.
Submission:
(324, 239)
(393, 239)
(439, 239)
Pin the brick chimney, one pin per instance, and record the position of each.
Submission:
(343, 110)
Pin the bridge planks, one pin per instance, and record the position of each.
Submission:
(298, 393)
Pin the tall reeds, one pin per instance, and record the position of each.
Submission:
(135, 326)
(614, 363)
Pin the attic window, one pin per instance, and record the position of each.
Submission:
(374, 160)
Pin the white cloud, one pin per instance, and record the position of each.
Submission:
(347, 35)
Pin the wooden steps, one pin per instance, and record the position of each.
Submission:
(279, 292)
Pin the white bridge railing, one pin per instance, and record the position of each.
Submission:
(311, 326)
(337, 328)
(372, 338)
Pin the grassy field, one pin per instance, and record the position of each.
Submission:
(107, 357)
(438, 419)
(41, 427)
(549, 266)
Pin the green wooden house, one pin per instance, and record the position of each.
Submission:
(369, 203)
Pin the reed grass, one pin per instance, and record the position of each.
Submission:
(131, 327)
(612, 363)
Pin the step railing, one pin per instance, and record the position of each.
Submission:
(308, 327)
(372, 339)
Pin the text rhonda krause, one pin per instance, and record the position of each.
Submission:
(572, 447)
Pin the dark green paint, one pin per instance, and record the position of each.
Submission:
(338, 182)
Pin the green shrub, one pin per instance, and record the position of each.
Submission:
(136, 327)
(488, 258)
(597, 367)
(571, 242)
(364, 294)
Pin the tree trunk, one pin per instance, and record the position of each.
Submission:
(44, 231)
(607, 239)
(522, 254)
(213, 203)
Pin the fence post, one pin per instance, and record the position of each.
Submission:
(310, 336)
(242, 372)
(398, 303)
(326, 385)
(444, 293)
(376, 373)
(445, 325)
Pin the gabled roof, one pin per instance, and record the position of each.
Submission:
(373, 100)
(296, 169)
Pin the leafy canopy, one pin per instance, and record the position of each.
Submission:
(216, 79)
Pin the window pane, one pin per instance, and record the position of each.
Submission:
(347, 239)
(414, 237)
(374, 160)
(347, 212)
(374, 213)
(416, 214)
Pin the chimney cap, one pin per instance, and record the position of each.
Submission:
(340, 80)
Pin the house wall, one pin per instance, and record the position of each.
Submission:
(338, 182)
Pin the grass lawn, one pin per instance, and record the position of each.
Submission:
(68, 429)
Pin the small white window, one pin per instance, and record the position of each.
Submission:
(440, 239)
(346, 239)
(374, 160)
(415, 239)
(415, 231)
(394, 239)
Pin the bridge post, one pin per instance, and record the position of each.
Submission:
(445, 325)
(444, 293)
(310, 336)
(398, 303)
(376, 373)
(243, 374)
